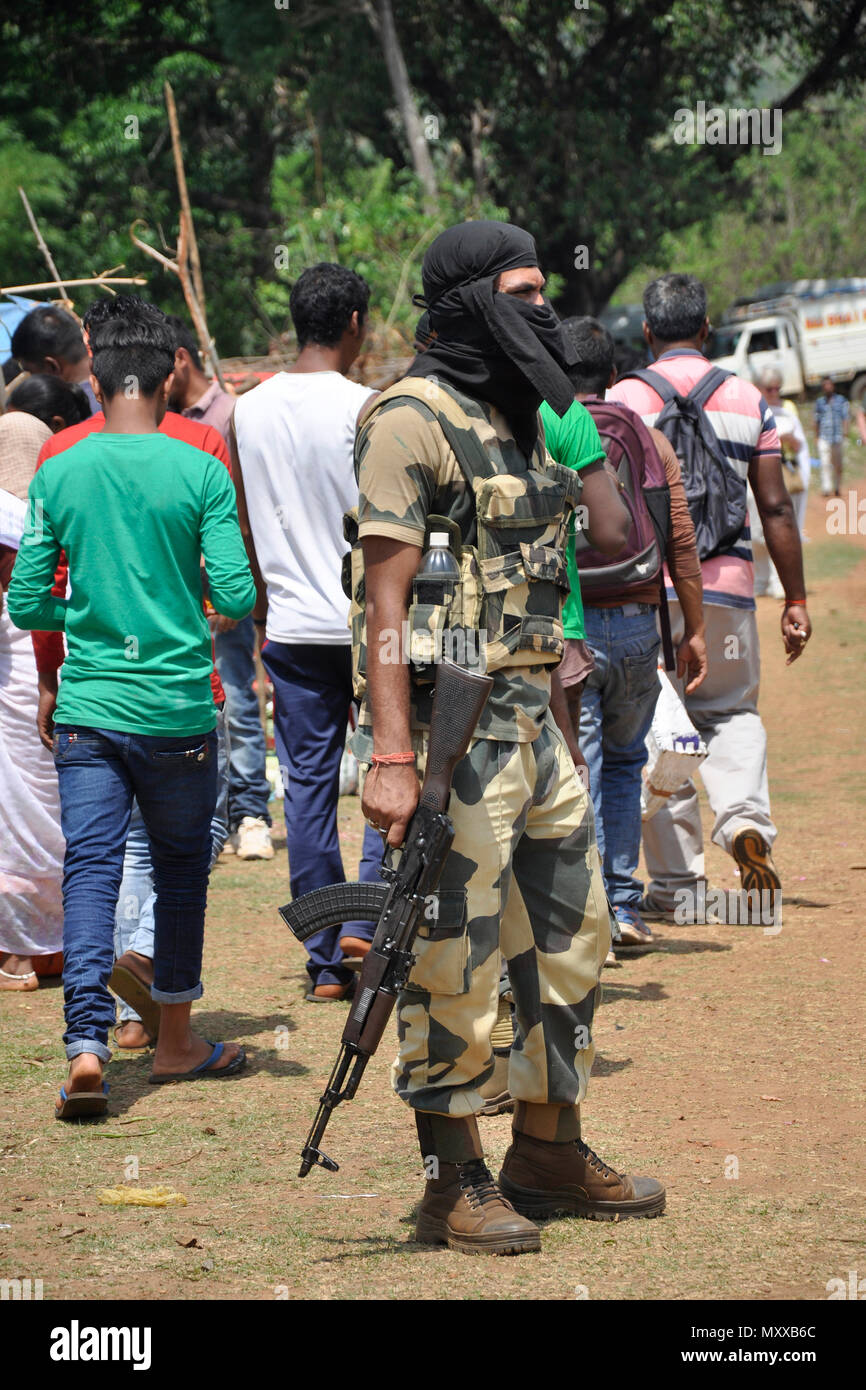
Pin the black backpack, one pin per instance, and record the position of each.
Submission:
(715, 492)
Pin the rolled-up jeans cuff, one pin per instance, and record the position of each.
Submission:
(74, 1049)
(333, 976)
(183, 996)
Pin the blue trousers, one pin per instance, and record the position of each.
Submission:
(249, 788)
(616, 710)
(312, 693)
(174, 780)
(133, 921)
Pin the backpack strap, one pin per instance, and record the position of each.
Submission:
(654, 380)
(453, 418)
(701, 392)
(665, 625)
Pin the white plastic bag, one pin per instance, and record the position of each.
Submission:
(675, 750)
(348, 774)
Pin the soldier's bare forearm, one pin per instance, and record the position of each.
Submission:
(389, 567)
(387, 679)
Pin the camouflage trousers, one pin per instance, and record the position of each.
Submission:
(523, 879)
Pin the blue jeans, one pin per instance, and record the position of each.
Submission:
(133, 920)
(616, 711)
(249, 788)
(174, 780)
(312, 694)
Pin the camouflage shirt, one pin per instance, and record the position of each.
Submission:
(407, 470)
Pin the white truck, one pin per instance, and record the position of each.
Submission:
(807, 329)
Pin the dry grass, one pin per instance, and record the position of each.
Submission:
(724, 1045)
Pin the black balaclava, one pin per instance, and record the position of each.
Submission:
(490, 345)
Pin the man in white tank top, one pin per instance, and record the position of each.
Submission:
(293, 441)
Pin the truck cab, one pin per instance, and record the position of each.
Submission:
(746, 348)
(805, 329)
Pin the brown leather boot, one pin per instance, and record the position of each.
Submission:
(462, 1206)
(543, 1176)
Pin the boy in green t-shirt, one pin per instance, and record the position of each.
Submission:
(134, 510)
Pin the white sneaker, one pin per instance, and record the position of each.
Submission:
(254, 839)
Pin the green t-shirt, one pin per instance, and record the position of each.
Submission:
(134, 514)
(574, 442)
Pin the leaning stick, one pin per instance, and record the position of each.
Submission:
(41, 242)
(180, 173)
(92, 280)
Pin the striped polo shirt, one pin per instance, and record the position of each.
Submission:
(745, 429)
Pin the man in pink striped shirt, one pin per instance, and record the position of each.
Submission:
(724, 709)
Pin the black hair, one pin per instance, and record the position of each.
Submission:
(596, 353)
(49, 396)
(132, 345)
(106, 309)
(184, 338)
(675, 306)
(48, 331)
(323, 299)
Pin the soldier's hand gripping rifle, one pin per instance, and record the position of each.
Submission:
(398, 904)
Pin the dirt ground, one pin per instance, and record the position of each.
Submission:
(739, 1082)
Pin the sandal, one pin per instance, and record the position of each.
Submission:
(82, 1105)
(129, 986)
(204, 1069)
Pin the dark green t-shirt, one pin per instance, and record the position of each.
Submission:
(574, 442)
(134, 513)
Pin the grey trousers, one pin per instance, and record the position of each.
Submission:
(725, 711)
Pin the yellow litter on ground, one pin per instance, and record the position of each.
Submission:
(141, 1197)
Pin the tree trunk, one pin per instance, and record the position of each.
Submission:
(382, 19)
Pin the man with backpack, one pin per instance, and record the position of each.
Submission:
(723, 433)
(621, 596)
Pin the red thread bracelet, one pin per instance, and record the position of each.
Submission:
(391, 759)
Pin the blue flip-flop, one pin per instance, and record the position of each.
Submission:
(82, 1105)
(204, 1069)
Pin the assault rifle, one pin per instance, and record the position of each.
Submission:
(397, 904)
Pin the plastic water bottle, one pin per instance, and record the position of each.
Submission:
(437, 575)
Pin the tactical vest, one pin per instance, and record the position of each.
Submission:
(509, 545)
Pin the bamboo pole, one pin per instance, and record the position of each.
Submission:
(91, 280)
(180, 174)
(41, 242)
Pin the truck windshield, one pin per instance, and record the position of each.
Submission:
(723, 342)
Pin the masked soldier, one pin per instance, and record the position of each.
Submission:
(455, 447)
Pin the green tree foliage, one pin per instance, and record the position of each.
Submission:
(560, 114)
(795, 216)
(376, 222)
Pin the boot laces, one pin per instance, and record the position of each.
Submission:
(594, 1161)
(478, 1183)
